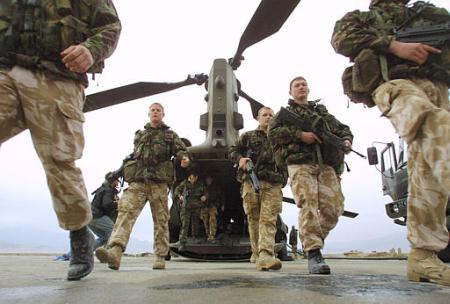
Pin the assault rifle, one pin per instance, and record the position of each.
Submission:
(318, 128)
(251, 172)
(185, 196)
(346, 213)
(435, 35)
(118, 174)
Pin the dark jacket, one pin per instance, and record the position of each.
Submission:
(105, 202)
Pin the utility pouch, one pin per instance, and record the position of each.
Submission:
(356, 97)
(361, 79)
(129, 170)
(366, 72)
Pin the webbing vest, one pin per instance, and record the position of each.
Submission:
(34, 32)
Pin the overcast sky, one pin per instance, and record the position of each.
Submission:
(165, 41)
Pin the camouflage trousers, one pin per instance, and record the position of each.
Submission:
(262, 210)
(419, 111)
(209, 218)
(317, 192)
(130, 206)
(189, 216)
(52, 111)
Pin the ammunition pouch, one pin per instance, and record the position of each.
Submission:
(129, 170)
(361, 79)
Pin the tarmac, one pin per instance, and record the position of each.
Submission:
(39, 279)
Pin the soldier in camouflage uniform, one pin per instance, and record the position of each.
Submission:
(261, 208)
(208, 212)
(46, 48)
(413, 95)
(293, 241)
(192, 196)
(313, 169)
(154, 148)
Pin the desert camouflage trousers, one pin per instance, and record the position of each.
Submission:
(209, 218)
(419, 112)
(317, 192)
(130, 206)
(52, 111)
(262, 210)
(189, 217)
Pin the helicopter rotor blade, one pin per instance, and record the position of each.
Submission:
(254, 105)
(346, 213)
(268, 18)
(136, 90)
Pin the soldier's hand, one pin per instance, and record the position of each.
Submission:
(77, 58)
(309, 138)
(242, 162)
(347, 146)
(416, 52)
(203, 198)
(185, 162)
(181, 198)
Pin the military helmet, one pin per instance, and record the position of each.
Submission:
(375, 2)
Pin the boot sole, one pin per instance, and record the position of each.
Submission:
(415, 277)
(81, 275)
(267, 268)
(102, 256)
(324, 270)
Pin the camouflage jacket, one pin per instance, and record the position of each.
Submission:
(215, 196)
(33, 33)
(191, 192)
(293, 237)
(288, 147)
(154, 149)
(374, 30)
(255, 144)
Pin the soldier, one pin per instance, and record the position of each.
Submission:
(192, 195)
(154, 148)
(410, 87)
(44, 56)
(293, 238)
(208, 212)
(261, 208)
(104, 209)
(312, 167)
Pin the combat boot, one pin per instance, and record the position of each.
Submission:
(266, 261)
(254, 258)
(82, 254)
(425, 266)
(316, 263)
(159, 263)
(112, 256)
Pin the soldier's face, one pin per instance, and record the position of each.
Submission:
(156, 114)
(299, 90)
(193, 178)
(264, 117)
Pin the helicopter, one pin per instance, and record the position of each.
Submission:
(222, 123)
